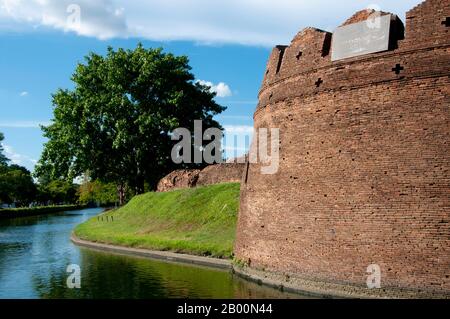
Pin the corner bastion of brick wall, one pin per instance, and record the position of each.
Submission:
(364, 162)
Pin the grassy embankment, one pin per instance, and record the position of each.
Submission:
(199, 221)
(35, 211)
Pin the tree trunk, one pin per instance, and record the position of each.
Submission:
(121, 193)
(139, 181)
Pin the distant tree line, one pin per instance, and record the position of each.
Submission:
(18, 188)
(16, 182)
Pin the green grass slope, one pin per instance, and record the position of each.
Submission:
(199, 221)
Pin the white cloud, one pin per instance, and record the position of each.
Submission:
(24, 93)
(24, 124)
(221, 89)
(250, 22)
(17, 158)
(101, 18)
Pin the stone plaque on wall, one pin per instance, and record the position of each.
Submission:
(361, 38)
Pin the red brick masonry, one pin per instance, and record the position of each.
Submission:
(364, 168)
(213, 174)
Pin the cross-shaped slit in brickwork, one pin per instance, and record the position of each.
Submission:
(398, 68)
(299, 55)
(446, 22)
(319, 82)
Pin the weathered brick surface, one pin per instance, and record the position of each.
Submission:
(221, 173)
(363, 15)
(364, 169)
(178, 179)
(213, 174)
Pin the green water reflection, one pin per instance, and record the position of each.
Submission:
(35, 252)
(113, 276)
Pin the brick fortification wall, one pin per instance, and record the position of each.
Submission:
(213, 174)
(364, 163)
(183, 178)
(221, 173)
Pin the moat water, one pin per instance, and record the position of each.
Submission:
(35, 253)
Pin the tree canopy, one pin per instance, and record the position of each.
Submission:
(117, 121)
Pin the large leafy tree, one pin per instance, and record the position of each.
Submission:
(116, 122)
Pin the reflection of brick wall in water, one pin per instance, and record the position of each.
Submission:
(364, 169)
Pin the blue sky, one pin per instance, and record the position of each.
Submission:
(228, 43)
